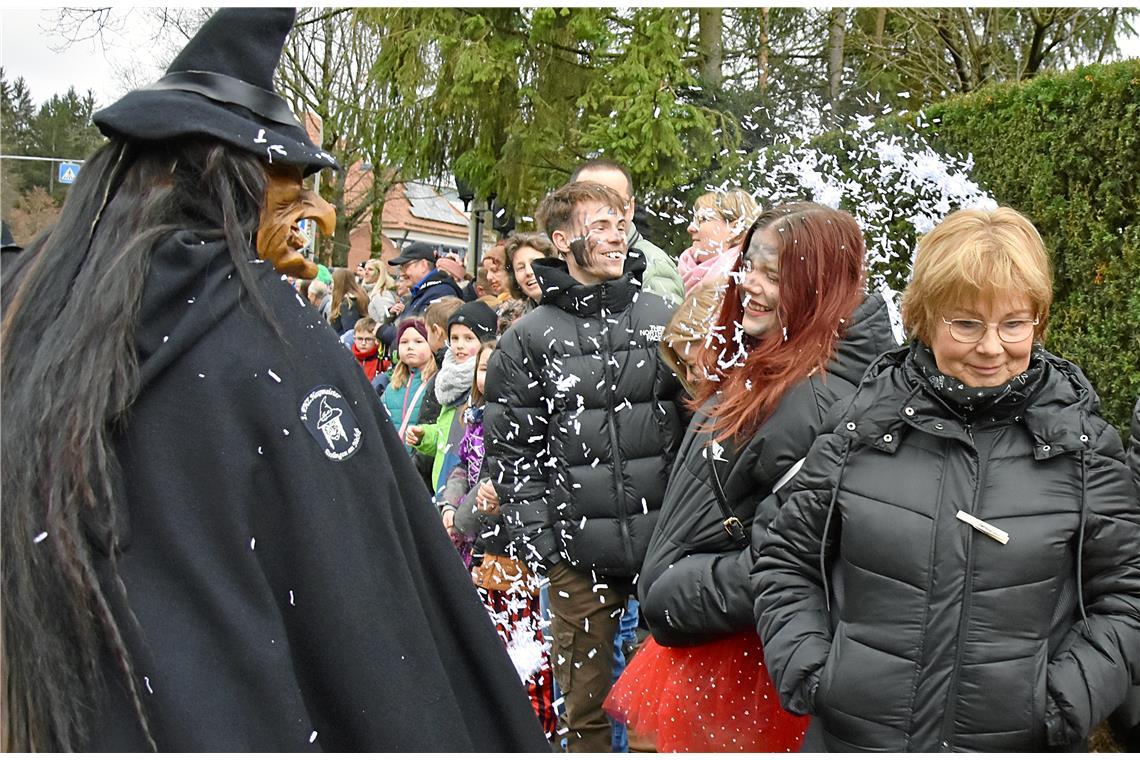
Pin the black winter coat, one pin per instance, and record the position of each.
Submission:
(694, 583)
(925, 634)
(582, 422)
(293, 587)
(1134, 447)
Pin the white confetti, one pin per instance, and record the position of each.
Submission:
(291, 602)
(252, 543)
(274, 375)
(312, 737)
(146, 680)
(40, 537)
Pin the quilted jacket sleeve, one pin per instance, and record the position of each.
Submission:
(516, 441)
(791, 607)
(1093, 669)
(720, 603)
(695, 591)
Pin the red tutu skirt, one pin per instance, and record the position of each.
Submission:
(714, 697)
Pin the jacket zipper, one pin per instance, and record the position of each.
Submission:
(619, 491)
(967, 598)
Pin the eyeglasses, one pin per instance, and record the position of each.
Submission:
(973, 330)
(365, 339)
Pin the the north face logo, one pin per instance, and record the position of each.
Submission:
(653, 334)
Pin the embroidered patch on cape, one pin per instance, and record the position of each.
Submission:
(329, 419)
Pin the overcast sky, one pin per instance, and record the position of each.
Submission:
(130, 53)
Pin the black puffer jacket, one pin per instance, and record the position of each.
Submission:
(694, 583)
(582, 422)
(925, 634)
(1134, 447)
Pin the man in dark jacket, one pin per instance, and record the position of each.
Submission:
(417, 263)
(582, 424)
(1126, 719)
(429, 284)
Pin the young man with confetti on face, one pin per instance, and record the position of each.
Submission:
(582, 425)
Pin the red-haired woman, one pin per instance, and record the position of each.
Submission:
(795, 332)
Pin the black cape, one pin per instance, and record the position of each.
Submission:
(293, 586)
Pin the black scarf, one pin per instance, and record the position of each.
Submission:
(997, 402)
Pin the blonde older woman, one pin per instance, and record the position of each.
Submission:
(955, 565)
(720, 221)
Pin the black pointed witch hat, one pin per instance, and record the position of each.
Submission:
(221, 86)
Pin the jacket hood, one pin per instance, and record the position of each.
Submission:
(188, 290)
(872, 329)
(562, 290)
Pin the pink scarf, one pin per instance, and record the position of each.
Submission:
(713, 269)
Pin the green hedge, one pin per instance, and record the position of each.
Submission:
(1065, 151)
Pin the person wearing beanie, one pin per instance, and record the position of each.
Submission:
(471, 324)
(404, 396)
(477, 317)
(190, 562)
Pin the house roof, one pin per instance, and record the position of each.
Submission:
(419, 207)
(428, 203)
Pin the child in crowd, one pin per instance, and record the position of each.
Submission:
(463, 477)
(366, 348)
(405, 393)
(471, 324)
(508, 589)
(435, 318)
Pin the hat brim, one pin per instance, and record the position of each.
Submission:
(401, 260)
(150, 115)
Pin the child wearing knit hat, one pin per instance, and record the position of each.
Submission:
(404, 395)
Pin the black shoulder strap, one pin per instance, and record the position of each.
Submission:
(732, 524)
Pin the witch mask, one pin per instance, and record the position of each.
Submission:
(279, 236)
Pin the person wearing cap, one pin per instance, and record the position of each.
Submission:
(471, 324)
(417, 267)
(418, 264)
(191, 559)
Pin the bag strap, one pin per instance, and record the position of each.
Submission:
(411, 408)
(731, 523)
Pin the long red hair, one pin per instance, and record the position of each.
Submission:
(821, 284)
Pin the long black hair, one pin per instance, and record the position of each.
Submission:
(69, 373)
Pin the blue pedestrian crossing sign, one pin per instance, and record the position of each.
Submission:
(68, 171)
